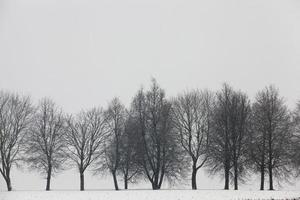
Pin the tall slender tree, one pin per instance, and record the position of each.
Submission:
(45, 145)
(85, 137)
(272, 136)
(231, 118)
(15, 119)
(159, 155)
(219, 150)
(192, 113)
(240, 117)
(129, 167)
(115, 117)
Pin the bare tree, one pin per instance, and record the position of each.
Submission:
(115, 117)
(159, 154)
(231, 118)
(272, 136)
(258, 149)
(45, 145)
(220, 139)
(85, 136)
(192, 121)
(129, 167)
(15, 118)
(241, 122)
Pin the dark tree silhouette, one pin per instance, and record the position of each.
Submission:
(15, 118)
(231, 118)
(129, 167)
(159, 155)
(272, 136)
(45, 145)
(115, 117)
(192, 113)
(156, 139)
(85, 136)
(239, 141)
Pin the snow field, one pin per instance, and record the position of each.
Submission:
(148, 195)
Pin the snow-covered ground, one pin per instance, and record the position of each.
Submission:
(148, 195)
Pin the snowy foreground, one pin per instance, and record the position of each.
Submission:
(148, 195)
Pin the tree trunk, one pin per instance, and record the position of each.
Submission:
(161, 179)
(262, 167)
(227, 168)
(226, 187)
(81, 180)
(8, 183)
(48, 178)
(7, 179)
(194, 175)
(236, 187)
(125, 184)
(271, 178)
(155, 185)
(270, 168)
(262, 177)
(227, 159)
(115, 180)
(125, 181)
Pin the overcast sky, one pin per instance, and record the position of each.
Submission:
(82, 53)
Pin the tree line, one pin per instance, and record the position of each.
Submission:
(157, 138)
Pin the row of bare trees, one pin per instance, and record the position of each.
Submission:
(156, 138)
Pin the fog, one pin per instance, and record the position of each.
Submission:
(82, 53)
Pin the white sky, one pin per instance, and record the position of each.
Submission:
(82, 53)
